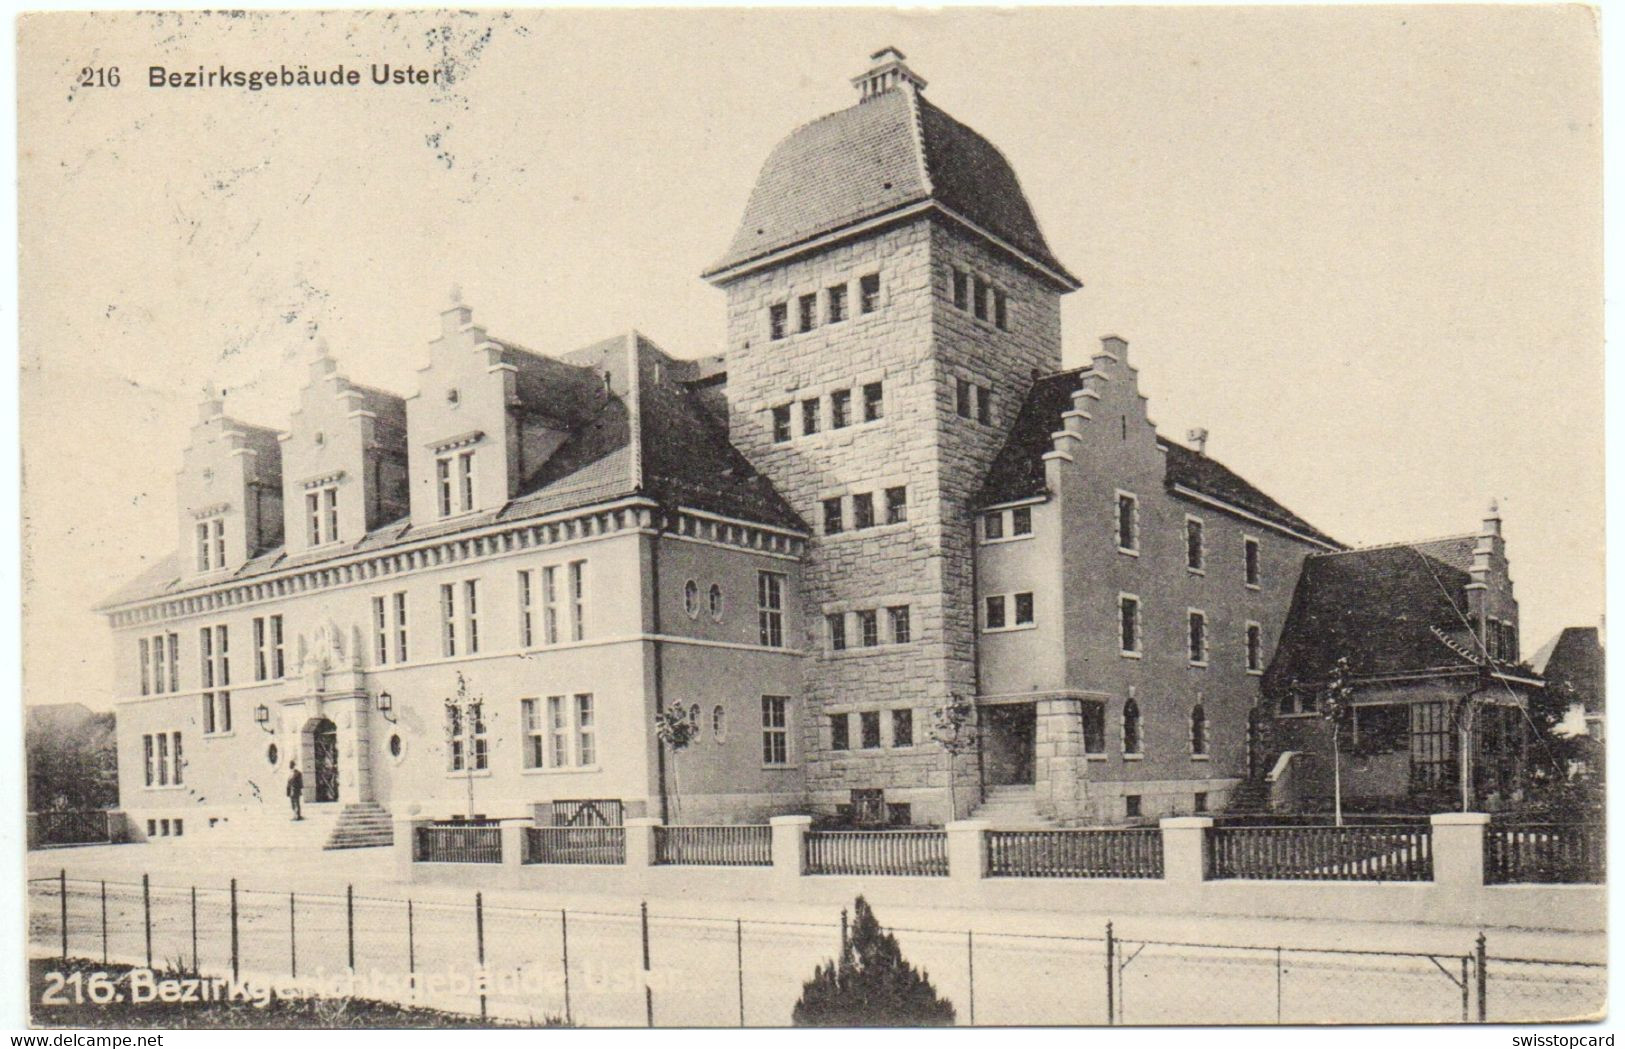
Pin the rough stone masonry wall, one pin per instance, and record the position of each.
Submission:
(912, 346)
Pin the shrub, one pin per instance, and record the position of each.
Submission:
(870, 985)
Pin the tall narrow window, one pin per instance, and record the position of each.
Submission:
(1198, 731)
(781, 423)
(840, 409)
(174, 662)
(442, 474)
(807, 312)
(1255, 648)
(840, 732)
(1128, 614)
(380, 624)
(448, 619)
(313, 518)
(215, 665)
(476, 716)
(984, 406)
(837, 303)
(1094, 728)
(330, 507)
(770, 608)
(896, 505)
(1198, 638)
(778, 319)
(550, 606)
(465, 479)
(900, 633)
(961, 289)
(526, 620)
(261, 649)
(809, 415)
(578, 600)
(962, 398)
(863, 510)
(1131, 727)
(219, 542)
(869, 292)
(868, 628)
(835, 622)
(1021, 521)
(1001, 317)
(980, 302)
(400, 627)
(1195, 552)
(558, 729)
(586, 731)
(176, 776)
(146, 665)
(471, 615)
(869, 729)
(993, 525)
(902, 728)
(163, 759)
(279, 668)
(993, 615)
(775, 730)
(832, 516)
(1128, 523)
(1024, 609)
(874, 404)
(203, 556)
(534, 753)
(148, 752)
(1250, 558)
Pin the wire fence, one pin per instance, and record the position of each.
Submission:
(641, 967)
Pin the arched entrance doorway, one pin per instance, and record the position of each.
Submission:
(323, 736)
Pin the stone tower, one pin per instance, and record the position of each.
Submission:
(890, 300)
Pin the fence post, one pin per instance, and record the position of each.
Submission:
(967, 862)
(564, 942)
(1465, 993)
(479, 944)
(146, 914)
(512, 834)
(789, 847)
(104, 922)
(1184, 849)
(1111, 966)
(195, 969)
(411, 947)
(349, 925)
(62, 895)
(739, 953)
(970, 967)
(1458, 848)
(1483, 980)
(640, 841)
(648, 989)
(293, 942)
(234, 957)
(403, 845)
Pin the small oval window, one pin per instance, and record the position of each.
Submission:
(691, 598)
(715, 598)
(719, 723)
(395, 745)
(270, 754)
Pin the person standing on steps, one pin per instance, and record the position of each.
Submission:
(296, 790)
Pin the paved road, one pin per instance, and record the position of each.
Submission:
(707, 955)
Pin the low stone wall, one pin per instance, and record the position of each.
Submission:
(1457, 894)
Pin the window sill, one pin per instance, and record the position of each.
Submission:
(1255, 673)
(876, 529)
(1009, 629)
(561, 771)
(1301, 714)
(218, 735)
(1201, 757)
(865, 650)
(1134, 552)
(779, 768)
(1197, 664)
(1133, 757)
(1253, 586)
(1007, 539)
(1097, 757)
(166, 786)
(1131, 655)
(1192, 570)
(463, 774)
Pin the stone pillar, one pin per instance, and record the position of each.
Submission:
(640, 841)
(789, 846)
(1458, 848)
(967, 856)
(1184, 845)
(405, 841)
(1059, 766)
(513, 843)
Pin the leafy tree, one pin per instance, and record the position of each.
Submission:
(1337, 708)
(72, 762)
(676, 730)
(953, 728)
(870, 985)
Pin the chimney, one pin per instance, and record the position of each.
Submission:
(1485, 551)
(1198, 439)
(886, 72)
(456, 316)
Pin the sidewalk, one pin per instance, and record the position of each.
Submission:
(372, 873)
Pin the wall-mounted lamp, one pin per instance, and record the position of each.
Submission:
(262, 718)
(386, 706)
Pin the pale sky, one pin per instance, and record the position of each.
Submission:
(1361, 246)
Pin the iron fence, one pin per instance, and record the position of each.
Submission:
(920, 852)
(71, 827)
(591, 845)
(1131, 853)
(720, 846)
(639, 966)
(1394, 853)
(458, 842)
(1544, 852)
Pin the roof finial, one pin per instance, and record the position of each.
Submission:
(456, 295)
(886, 73)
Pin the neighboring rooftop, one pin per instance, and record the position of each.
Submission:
(891, 151)
(1018, 470)
(655, 440)
(1575, 658)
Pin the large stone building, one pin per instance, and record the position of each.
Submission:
(885, 497)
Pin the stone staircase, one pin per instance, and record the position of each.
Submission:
(1250, 798)
(1011, 808)
(362, 825)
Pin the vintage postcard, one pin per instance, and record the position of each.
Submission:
(766, 518)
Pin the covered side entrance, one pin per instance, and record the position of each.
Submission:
(321, 747)
(1009, 744)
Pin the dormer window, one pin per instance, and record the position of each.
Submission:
(322, 515)
(454, 481)
(211, 544)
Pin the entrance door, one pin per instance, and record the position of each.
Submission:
(1009, 742)
(325, 760)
